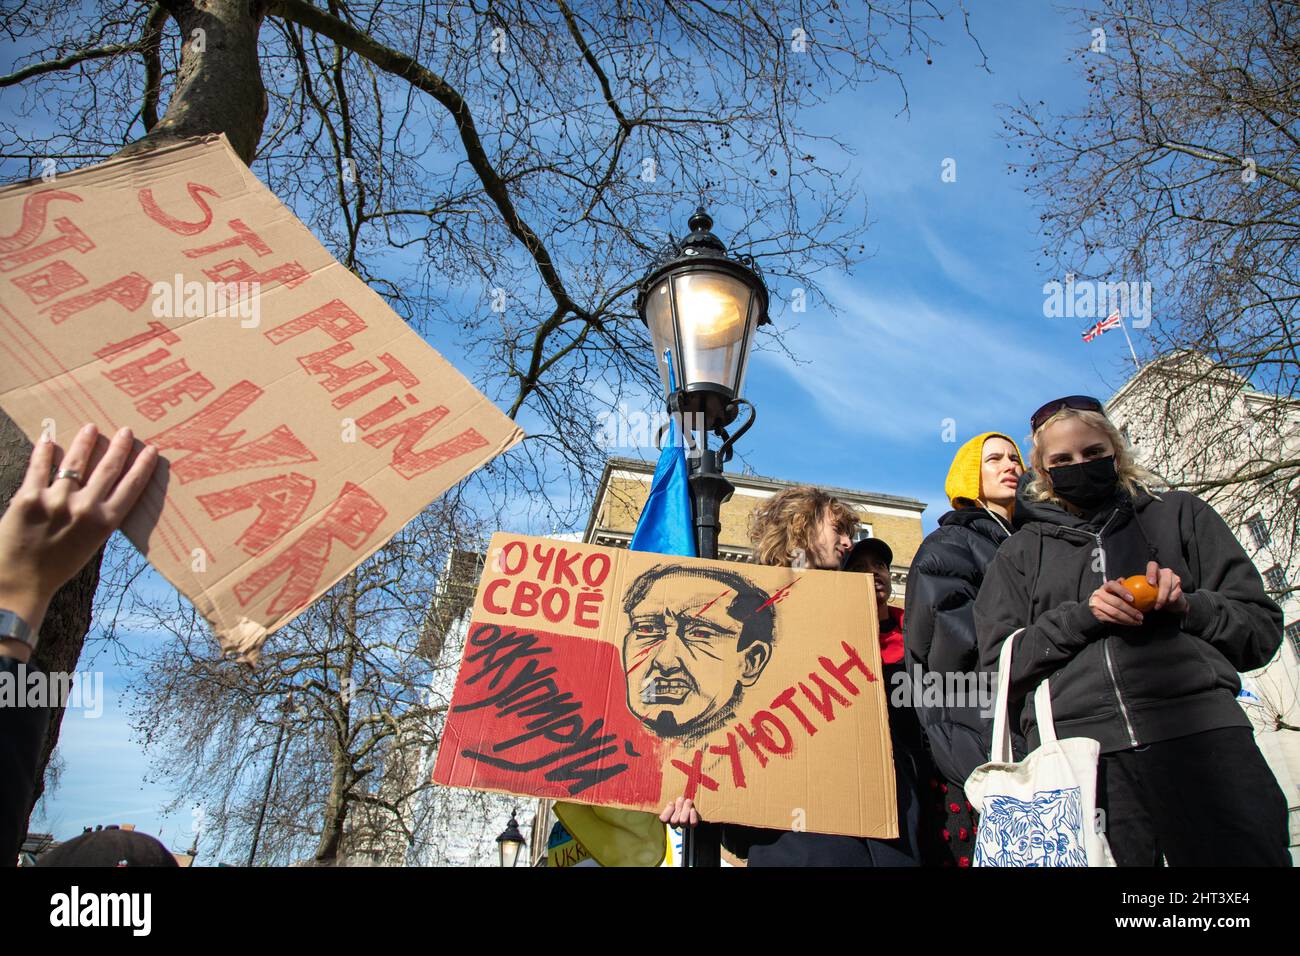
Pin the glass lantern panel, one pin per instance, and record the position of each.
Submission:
(659, 316)
(713, 317)
(747, 349)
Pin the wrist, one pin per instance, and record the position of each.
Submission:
(16, 649)
(27, 603)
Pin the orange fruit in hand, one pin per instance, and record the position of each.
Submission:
(1143, 591)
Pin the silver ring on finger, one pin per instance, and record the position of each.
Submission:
(70, 473)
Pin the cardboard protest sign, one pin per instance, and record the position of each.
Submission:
(300, 422)
(627, 679)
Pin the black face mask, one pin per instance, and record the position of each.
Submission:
(1086, 485)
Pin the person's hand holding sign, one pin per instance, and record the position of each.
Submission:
(52, 527)
(681, 812)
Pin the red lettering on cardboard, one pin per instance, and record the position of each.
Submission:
(824, 704)
(243, 236)
(525, 602)
(564, 567)
(408, 462)
(489, 593)
(156, 331)
(154, 407)
(351, 519)
(17, 249)
(336, 376)
(179, 226)
(130, 291)
(384, 411)
(586, 609)
(695, 775)
(237, 270)
(765, 719)
(135, 378)
(505, 557)
(333, 318)
(841, 671)
(49, 282)
(281, 502)
(752, 744)
(212, 453)
(786, 699)
(33, 216)
(732, 752)
(590, 577)
(397, 374)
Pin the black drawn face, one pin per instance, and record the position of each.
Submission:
(692, 645)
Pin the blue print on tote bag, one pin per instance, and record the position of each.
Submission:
(1044, 831)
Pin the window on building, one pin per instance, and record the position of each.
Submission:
(863, 532)
(1258, 530)
(1274, 579)
(1293, 635)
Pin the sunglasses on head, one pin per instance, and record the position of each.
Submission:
(1084, 403)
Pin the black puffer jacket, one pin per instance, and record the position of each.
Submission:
(939, 633)
(1126, 686)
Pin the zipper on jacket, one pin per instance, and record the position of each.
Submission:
(1105, 641)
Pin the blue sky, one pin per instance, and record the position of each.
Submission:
(945, 321)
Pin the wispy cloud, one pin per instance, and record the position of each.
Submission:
(893, 365)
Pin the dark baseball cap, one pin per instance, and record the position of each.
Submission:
(109, 847)
(872, 548)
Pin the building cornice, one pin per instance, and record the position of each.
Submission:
(762, 483)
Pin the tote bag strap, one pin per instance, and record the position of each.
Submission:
(1001, 751)
(1043, 713)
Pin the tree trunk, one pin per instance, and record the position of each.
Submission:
(219, 90)
(336, 807)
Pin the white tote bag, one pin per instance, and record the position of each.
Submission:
(1043, 810)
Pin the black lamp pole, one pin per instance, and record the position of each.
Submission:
(702, 307)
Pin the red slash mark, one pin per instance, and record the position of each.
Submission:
(695, 775)
(779, 595)
(640, 658)
(715, 600)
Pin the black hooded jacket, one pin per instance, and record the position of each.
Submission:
(1126, 686)
(939, 634)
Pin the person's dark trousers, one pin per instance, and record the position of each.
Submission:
(1207, 799)
(787, 848)
(22, 734)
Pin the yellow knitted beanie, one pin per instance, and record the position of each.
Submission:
(964, 473)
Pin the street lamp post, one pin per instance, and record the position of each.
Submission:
(703, 309)
(510, 842)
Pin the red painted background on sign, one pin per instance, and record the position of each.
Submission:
(546, 713)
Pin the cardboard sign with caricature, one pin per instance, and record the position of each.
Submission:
(627, 679)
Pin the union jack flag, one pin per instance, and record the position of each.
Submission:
(1110, 322)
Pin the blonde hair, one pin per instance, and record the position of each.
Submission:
(1132, 476)
(782, 528)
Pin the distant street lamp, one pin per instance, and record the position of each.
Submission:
(510, 842)
(703, 309)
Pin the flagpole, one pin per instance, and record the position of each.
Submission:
(1137, 366)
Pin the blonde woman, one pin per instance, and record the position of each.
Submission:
(1180, 776)
(806, 527)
